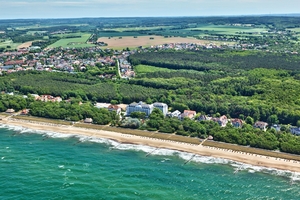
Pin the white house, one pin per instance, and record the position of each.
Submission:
(162, 106)
(176, 113)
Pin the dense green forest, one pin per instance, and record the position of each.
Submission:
(234, 83)
(79, 85)
(222, 60)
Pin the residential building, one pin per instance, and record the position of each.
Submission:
(46, 98)
(222, 121)
(276, 127)
(295, 130)
(237, 123)
(102, 105)
(114, 108)
(139, 107)
(162, 106)
(188, 113)
(88, 120)
(25, 112)
(204, 118)
(10, 110)
(176, 113)
(36, 96)
(261, 125)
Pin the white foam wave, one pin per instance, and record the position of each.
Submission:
(294, 176)
(20, 130)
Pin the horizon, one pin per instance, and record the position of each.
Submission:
(178, 16)
(56, 9)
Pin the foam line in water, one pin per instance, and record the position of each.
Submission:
(238, 166)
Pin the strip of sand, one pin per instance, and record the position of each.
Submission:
(253, 159)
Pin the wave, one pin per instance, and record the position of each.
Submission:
(21, 130)
(187, 157)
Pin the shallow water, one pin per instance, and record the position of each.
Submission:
(44, 165)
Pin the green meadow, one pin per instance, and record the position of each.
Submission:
(9, 43)
(72, 42)
(140, 69)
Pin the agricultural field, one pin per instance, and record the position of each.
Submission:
(228, 30)
(25, 45)
(145, 41)
(140, 28)
(73, 42)
(66, 35)
(196, 30)
(119, 34)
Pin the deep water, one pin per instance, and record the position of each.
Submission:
(41, 165)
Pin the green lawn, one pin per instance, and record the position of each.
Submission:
(294, 29)
(9, 43)
(139, 69)
(72, 42)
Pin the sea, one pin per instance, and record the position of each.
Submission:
(49, 165)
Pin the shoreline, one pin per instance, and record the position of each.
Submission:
(238, 156)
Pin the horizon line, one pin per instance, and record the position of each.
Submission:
(203, 16)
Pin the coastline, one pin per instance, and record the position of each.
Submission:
(238, 156)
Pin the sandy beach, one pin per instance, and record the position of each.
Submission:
(253, 159)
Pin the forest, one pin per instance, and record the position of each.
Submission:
(233, 83)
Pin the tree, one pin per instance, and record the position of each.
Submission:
(298, 123)
(138, 114)
(273, 119)
(114, 102)
(249, 120)
(157, 114)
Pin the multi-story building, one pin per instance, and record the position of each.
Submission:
(146, 108)
(162, 106)
(139, 107)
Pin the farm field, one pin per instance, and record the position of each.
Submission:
(137, 28)
(25, 45)
(145, 41)
(72, 42)
(231, 30)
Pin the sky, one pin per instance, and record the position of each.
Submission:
(16, 9)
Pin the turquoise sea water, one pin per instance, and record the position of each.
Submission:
(40, 165)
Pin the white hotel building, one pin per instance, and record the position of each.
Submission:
(146, 108)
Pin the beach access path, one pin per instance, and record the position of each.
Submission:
(238, 156)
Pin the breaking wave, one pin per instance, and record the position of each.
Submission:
(187, 157)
